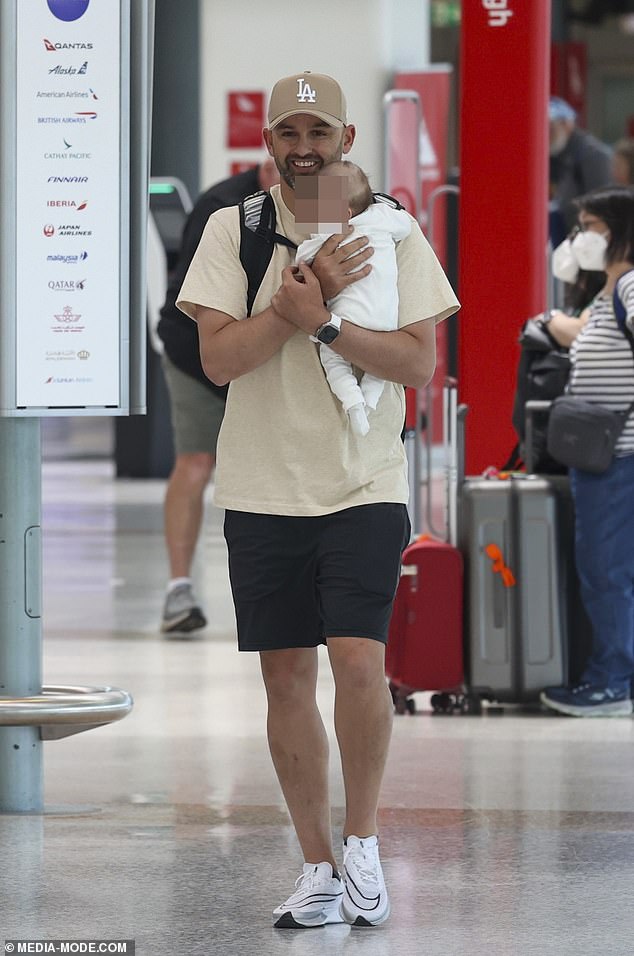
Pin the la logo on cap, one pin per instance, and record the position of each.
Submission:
(305, 93)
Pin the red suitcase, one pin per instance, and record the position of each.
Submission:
(424, 650)
(425, 642)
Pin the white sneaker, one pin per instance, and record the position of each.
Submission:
(365, 901)
(315, 902)
(182, 612)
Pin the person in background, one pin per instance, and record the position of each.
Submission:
(197, 408)
(602, 371)
(579, 163)
(623, 162)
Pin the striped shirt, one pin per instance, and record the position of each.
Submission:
(602, 362)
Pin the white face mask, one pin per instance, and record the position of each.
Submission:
(589, 249)
(564, 262)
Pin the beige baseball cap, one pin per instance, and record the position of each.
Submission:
(314, 93)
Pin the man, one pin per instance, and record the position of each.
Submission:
(579, 162)
(197, 407)
(316, 516)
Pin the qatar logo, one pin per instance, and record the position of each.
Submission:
(49, 230)
(68, 10)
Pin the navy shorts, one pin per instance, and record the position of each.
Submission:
(298, 581)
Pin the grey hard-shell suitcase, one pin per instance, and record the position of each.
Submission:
(515, 577)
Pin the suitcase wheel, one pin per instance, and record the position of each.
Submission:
(471, 705)
(443, 703)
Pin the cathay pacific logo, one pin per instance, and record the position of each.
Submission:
(499, 12)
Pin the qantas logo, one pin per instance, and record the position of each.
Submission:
(54, 47)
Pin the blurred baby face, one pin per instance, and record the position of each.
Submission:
(321, 204)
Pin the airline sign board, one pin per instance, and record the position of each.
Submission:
(68, 184)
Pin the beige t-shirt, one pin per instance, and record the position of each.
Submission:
(285, 446)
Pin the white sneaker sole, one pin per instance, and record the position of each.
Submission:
(288, 920)
(620, 708)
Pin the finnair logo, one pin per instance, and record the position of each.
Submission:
(305, 94)
(498, 11)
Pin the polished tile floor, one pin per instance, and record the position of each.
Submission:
(507, 834)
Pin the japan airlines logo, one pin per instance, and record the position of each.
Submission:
(305, 94)
(49, 230)
(68, 10)
(499, 12)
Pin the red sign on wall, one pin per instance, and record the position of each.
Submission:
(245, 119)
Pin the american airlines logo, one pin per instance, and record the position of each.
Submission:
(499, 12)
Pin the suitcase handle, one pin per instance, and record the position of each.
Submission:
(531, 408)
(454, 416)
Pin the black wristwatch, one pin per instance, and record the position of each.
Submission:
(328, 332)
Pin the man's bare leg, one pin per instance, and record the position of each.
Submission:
(183, 509)
(299, 746)
(363, 723)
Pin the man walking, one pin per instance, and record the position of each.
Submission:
(315, 515)
(196, 406)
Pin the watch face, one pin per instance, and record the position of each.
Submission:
(328, 334)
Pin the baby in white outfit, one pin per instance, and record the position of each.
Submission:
(372, 302)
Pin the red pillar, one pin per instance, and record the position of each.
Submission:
(503, 208)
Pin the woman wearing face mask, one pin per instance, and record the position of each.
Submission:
(602, 371)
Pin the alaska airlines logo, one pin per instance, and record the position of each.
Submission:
(54, 47)
(69, 70)
(305, 93)
(68, 10)
(498, 11)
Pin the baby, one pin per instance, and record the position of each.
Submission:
(373, 301)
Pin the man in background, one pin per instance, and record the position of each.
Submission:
(579, 163)
(197, 408)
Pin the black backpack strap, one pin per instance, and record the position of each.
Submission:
(387, 199)
(257, 240)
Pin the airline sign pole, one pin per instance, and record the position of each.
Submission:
(75, 82)
(503, 208)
